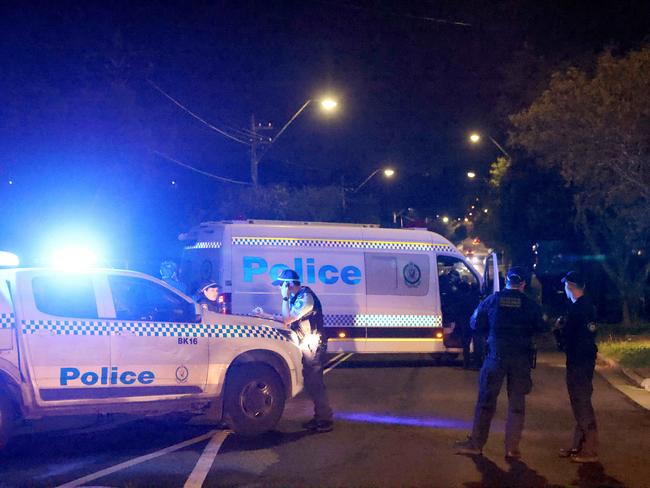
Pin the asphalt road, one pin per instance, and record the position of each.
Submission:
(397, 418)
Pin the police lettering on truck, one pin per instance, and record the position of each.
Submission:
(105, 376)
(73, 342)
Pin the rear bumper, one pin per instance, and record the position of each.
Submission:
(386, 345)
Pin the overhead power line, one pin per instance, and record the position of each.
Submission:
(200, 171)
(393, 14)
(197, 117)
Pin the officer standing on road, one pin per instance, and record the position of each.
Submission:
(510, 319)
(302, 312)
(576, 334)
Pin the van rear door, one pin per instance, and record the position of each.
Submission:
(491, 275)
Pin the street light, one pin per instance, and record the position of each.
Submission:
(475, 138)
(388, 173)
(471, 175)
(328, 104)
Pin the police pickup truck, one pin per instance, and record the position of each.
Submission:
(108, 341)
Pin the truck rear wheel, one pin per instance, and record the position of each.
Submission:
(6, 420)
(254, 399)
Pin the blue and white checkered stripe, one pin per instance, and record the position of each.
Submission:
(340, 243)
(384, 321)
(6, 320)
(153, 329)
(205, 245)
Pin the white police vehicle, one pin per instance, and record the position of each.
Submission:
(107, 341)
(382, 290)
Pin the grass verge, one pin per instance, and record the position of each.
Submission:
(629, 345)
(631, 352)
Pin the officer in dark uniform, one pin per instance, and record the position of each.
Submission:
(576, 334)
(303, 313)
(510, 319)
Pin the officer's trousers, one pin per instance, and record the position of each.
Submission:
(516, 369)
(579, 378)
(312, 372)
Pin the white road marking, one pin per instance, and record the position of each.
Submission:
(204, 464)
(138, 460)
(335, 364)
(331, 361)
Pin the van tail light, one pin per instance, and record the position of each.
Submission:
(225, 303)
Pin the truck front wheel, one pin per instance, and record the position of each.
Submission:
(6, 420)
(254, 399)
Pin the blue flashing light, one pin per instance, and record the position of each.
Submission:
(73, 257)
(8, 260)
(428, 422)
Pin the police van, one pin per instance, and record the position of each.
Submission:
(107, 341)
(382, 290)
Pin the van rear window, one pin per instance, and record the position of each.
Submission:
(397, 274)
(65, 296)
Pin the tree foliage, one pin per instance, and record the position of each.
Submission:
(281, 202)
(594, 128)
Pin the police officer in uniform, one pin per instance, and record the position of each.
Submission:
(303, 313)
(509, 319)
(576, 334)
(207, 296)
(169, 274)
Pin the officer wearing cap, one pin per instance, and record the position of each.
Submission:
(303, 313)
(510, 319)
(207, 295)
(577, 336)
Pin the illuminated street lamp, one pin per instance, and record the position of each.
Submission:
(328, 104)
(471, 175)
(388, 173)
(475, 138)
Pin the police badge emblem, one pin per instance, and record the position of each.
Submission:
(412, 275)
(182, 373)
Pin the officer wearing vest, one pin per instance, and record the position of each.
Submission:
(509, 319)
(302, 312)
(576, 334)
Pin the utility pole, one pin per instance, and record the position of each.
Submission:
(256, 143)
(254, 160)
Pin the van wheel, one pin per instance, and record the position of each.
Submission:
(254, 399)
(6, 420)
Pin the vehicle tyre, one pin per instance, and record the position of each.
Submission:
(254, 399)
(6, 420)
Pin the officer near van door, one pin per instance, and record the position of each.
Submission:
(576, 334)
(303, 313)
(509, 319)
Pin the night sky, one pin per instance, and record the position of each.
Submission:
(80, 123)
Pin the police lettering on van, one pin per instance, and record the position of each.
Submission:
(327, 274)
